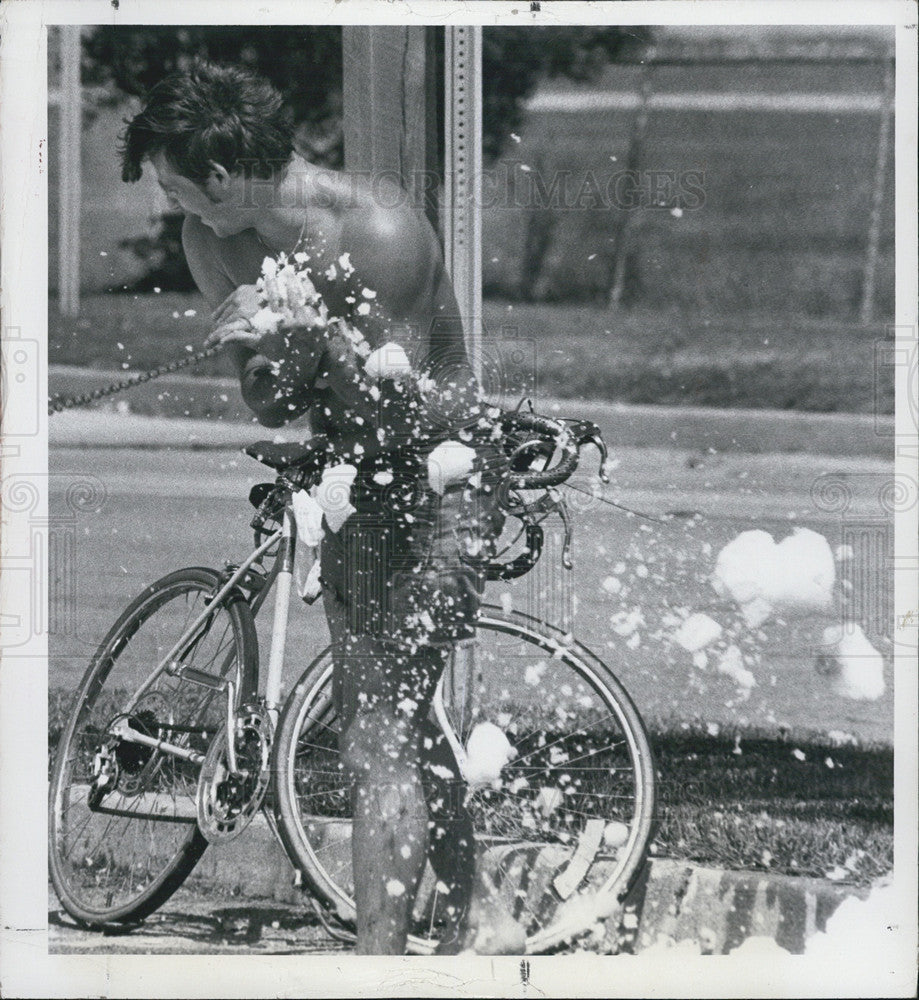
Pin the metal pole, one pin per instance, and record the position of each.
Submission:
(69, 181)
(463, 179)
(877, 200)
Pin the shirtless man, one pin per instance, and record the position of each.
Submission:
(222, 150)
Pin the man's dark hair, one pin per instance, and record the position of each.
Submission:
(210, 113)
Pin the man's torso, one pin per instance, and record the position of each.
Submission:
(427, 321)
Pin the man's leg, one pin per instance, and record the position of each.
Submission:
(477, 919)
(451, 838)
(379, 742)
(398, 820)
(389, 832)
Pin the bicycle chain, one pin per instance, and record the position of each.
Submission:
(59, 403)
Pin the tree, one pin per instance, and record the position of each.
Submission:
(305, 63)
(514, 60)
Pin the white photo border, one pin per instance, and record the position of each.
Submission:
(27, 968)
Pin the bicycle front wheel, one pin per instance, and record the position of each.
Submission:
(123, 832)
(561, 830)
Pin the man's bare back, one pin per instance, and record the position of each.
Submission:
(395, 256)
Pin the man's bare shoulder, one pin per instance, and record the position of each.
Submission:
(374, 225)
(388, 239)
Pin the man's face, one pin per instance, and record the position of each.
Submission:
(214, 208)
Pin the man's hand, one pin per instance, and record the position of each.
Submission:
(233, 319)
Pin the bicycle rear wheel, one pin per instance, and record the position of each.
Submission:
(562, 831)
(123, 832)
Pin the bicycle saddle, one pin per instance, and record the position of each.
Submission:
(302, 455)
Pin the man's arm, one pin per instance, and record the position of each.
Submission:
(260, 390)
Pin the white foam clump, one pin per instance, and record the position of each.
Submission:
(310, 587)
(308, 515)
(449, 463)
(266, 320)
(855, 668)
(697, 632)
(288, 296)
(794, 576)
(859, 927)
(388, 361)
(548, 799)
(731, 665)
(626, 622)
(487, 751)
(333, 495)
(615, 834)
(585, 911)
(533, 673)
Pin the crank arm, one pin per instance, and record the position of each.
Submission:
(129, 735)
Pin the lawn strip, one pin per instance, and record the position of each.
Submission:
(760, 809)
(639, 356)
(798, 805)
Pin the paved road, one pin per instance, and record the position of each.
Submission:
(162, 509)
(202, 923)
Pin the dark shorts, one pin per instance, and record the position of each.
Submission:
(398, 592)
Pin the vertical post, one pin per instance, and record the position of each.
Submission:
(69, 181)
(877, 199)
(625, 223)
(463, 179)
(388, 104)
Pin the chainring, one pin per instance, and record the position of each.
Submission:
(227, 801)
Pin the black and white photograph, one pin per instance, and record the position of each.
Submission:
(459, 489)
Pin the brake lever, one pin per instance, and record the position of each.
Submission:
(597, 441)
(561, 505)
(587, 432)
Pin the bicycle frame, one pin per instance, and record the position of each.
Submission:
(460, 671)
(171, 663)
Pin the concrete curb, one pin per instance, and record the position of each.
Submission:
(216, 402)
(717, 910)
(675, 901)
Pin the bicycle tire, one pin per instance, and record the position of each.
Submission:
(312, 798)
(115, 861)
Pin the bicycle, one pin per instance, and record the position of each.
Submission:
(170, 746)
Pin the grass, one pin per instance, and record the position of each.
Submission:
(781, 224)
(760, 809)
(629, 356)
(669, 357)
(764, 809)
